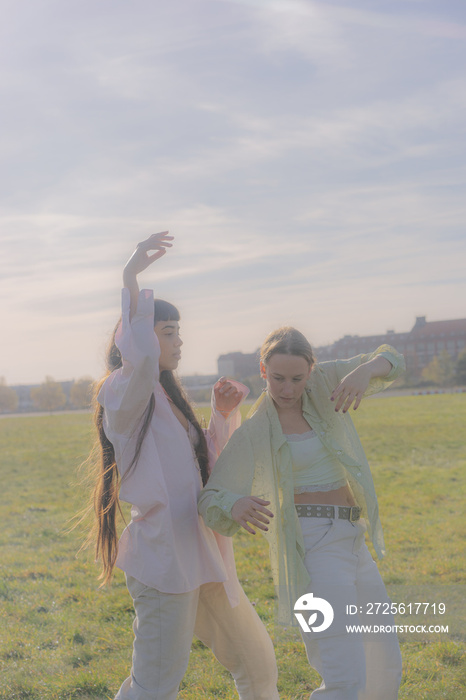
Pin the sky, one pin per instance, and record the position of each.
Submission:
(308, 156)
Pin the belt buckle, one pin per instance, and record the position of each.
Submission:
(355, 513)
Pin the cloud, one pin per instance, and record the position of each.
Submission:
(307, 156)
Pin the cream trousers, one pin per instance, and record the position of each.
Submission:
(353, 666)
(163, 633)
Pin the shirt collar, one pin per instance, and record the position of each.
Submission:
(277, 437)
(309, 413)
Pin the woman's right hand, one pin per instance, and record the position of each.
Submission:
(141, 259)
(251, 509)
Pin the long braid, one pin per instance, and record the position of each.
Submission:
(106, 502)
(178, 396)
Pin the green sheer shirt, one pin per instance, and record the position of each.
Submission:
(257, 461)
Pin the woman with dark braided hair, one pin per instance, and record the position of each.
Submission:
(155, 456)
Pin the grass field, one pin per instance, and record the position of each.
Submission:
(64, 638)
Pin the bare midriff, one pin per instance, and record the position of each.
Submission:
(337, 497)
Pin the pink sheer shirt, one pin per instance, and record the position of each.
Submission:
(166, 545)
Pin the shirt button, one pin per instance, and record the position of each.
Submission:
(339, 452)
(359, 474)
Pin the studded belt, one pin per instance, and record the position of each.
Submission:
(351, 513)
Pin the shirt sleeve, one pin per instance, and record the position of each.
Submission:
(338, 369)
(126, 391)
(231, 479)
(215, 507)
(220, 428)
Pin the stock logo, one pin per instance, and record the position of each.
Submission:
(307, 603)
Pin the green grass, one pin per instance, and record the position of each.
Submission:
(64, 638)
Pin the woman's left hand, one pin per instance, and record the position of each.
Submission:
(227, 397)
(352, 388)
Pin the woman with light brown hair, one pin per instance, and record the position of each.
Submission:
(296, 471)
(155, 455)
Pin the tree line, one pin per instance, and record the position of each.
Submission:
(49, 396)
(442, 371)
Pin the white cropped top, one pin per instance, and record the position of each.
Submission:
(314, 467)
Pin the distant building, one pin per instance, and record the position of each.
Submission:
(238, 364)
(419, 346)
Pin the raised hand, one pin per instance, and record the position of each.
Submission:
(353, 386)
(141, 259)
(227, 397)
(251, 509)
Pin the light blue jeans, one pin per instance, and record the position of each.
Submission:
(163, 634)
(353, 666)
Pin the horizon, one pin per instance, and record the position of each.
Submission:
(244, 352)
